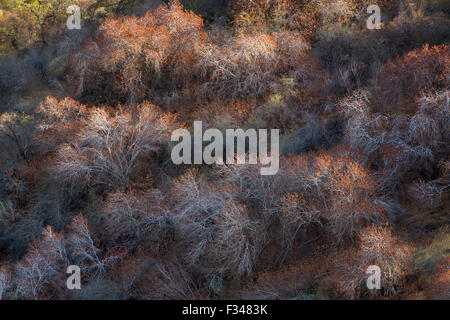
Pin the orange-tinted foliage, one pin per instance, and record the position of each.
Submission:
(340, 189)
(61, 120)
(137, 51)
(417, 71)
(98, 170)
(275, 15)
(379, 247)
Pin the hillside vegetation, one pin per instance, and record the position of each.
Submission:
(86, 176)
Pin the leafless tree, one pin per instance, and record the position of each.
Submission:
(110, 149)
(83, 250)
(42, 262)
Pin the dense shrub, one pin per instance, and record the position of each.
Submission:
(332, 188)
(440, 290)
(249, 64)
(16, 130)
(135, 218)
(143, 53)
(381, 248)
(111, 150)
(86, 178)
(339, 46)
(222, 236)
(393, 145)
(83, 248)
(275, 15)
(18, 236)
(59, 122)
(12, 79)
(313, 136)
(5, 278)
(417, 71)
(417, 25)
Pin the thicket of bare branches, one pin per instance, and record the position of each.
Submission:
(379, 247)
(217, 230)
(43, 262)
(133, 218)
(418, 70)
(111, 150)
(86, 178)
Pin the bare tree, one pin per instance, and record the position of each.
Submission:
(83, 249)
(42, 262)
(111, 149)
(131, 218)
